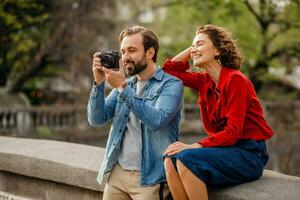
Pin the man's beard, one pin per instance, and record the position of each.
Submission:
(137, 66)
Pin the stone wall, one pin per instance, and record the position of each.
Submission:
(43, 169)
(70, 124)
(284, 146)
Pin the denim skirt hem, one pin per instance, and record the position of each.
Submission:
(225, 166)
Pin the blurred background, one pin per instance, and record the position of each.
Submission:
(46, 49)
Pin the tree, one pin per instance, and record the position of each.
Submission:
(50, 38)
(19, 22)
(266, 30)
(279, 25)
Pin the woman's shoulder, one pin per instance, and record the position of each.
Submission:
(236, 77)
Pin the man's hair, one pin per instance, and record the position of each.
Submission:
(230, 54)
(149, 38)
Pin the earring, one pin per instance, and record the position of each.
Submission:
(218, 59)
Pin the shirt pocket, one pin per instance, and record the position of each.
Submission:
(151, 98)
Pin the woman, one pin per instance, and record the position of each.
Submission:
(234, 151)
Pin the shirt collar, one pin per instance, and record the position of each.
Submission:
(223, 74)
(158, 75)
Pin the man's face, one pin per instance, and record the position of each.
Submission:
(133, 54)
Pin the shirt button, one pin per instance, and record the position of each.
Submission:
(120, 130)
(125, 115)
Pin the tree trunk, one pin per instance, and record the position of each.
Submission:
(18, 85)
(4, 68)
(261, 66)
(259, 70)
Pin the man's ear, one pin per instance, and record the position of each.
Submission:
(150, 53)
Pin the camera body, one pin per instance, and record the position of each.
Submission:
(110, 59)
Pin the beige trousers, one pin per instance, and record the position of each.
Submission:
(125, 185)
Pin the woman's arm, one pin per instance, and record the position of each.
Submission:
(183, 56)
(179, 67)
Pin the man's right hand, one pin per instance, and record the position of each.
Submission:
(99, 75)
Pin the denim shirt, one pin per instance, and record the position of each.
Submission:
(159, 111)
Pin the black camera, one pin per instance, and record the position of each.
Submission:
(110, 59)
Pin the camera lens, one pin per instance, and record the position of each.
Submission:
(110, 59)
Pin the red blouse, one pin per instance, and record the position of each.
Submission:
(230, 110)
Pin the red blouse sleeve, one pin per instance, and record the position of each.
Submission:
(236, 99)
(178, 69)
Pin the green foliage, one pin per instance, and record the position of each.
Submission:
(183, 20)
(190, 96)
(277, 47)
(45, 132)
(43, 38)
(21, 25)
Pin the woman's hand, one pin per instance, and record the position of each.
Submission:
(177, 147)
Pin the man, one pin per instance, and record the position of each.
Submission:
(145, 115)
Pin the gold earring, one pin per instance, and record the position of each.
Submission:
(218, 59)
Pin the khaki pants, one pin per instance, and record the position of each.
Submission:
(125, 185)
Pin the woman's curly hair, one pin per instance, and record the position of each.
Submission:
(230, 54)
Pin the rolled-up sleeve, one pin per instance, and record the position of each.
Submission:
(100, 110)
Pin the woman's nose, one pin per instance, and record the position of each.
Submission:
(193, 49)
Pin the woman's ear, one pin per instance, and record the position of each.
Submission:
(150, 53)
(217, 53)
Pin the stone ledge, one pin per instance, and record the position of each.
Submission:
(62, 162)
(272, 185)
(77, 165)
(8, 196)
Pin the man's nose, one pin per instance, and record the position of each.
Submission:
(125, 56)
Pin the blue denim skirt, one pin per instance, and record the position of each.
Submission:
(225, 166)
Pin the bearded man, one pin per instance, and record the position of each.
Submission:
(145, 111)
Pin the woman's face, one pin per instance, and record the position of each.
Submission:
(203, 51)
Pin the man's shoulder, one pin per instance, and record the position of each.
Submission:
(168, 77)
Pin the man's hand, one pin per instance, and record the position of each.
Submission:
(99, 75)
(115, 78)
(177, 147)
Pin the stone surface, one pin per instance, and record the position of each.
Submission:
(62, 162)
(8, 196)
(18, 187)
(41, 169)
(272, 185)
